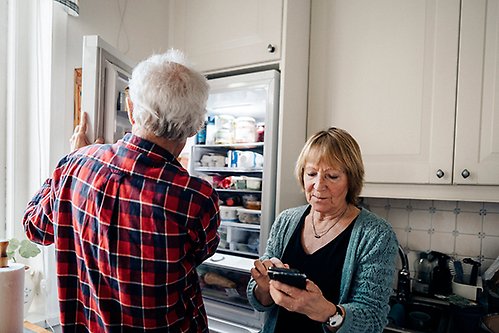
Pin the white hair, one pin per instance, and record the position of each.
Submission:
(169, 97)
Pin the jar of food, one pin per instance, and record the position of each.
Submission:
(260, 132)
(245, 130)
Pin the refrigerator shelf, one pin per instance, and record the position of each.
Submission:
(241, 225)
(227, 170)
(251, 145)
(233, 190)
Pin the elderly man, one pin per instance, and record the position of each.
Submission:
(129, 224)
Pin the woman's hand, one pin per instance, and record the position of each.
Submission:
(261, 277)
(79, 138)
(309, 301)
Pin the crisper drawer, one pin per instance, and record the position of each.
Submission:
(239, 238)
(224, 279)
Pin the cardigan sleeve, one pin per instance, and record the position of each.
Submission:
(271, 250)
(372, 272)
(281, 231)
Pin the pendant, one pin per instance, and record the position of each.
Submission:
(317, 236)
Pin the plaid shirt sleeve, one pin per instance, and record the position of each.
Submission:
(38, 216)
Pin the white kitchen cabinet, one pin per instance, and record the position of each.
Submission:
(413, 82)
(477, 125)
(221, 34)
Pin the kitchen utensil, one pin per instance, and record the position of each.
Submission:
(441, 277)
(424, 269)
(474, 270)
(458, 270)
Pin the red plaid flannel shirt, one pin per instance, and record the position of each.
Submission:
(130, 226)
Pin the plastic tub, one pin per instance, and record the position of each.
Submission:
(249, 216)
(467, 291)
(253, 183)
(229, 213)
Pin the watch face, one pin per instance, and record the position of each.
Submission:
(335, 321)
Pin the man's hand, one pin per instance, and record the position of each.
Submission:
(79, 138)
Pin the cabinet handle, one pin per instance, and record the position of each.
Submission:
(465, 173)
(440, 173)
(271, 48)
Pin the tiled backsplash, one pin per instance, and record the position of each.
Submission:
(460, 229)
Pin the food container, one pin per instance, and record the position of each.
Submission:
(249, 216)
(253, 183)
(223, 136)
(213, 160)
(251, 202)
(244, 159)
(240, 183)
(245, 130)
(229, 213)
(260, 132)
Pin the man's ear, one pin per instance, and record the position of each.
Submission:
(129, 105)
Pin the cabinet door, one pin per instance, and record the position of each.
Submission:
(218, 34)
(477, 127)
(386, 72)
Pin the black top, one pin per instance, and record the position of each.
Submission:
(323, 267)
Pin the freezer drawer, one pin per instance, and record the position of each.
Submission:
(223, 280)
(217, 325)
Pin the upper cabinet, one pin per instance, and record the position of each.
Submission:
(225, 34)
(414, 82)
(477, 120)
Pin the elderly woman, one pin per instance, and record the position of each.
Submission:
(129, 224)
(347, 252)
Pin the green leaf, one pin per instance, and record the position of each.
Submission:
(28, 249)
(13, 246)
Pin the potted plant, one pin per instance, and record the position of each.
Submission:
(24, 249)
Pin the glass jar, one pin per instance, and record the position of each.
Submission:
(245, 130)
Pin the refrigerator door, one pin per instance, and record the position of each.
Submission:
(105, 75)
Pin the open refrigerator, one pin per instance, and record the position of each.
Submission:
(237, 153)
(105, 75)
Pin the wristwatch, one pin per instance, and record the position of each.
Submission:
(335, 320)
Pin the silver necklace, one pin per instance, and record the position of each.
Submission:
(317, 235)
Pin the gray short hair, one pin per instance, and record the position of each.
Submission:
(336, 148)
(169, 98)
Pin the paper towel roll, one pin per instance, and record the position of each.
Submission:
(12, 298)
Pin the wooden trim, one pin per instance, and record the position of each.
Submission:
(77, 96)
(32, 328)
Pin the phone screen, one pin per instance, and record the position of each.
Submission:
(290, 276)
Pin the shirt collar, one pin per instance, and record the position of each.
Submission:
(144, 146)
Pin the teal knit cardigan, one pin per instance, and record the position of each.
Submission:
(367, 277)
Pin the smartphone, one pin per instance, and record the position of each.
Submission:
(290, 276)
